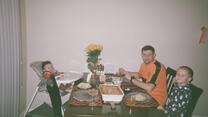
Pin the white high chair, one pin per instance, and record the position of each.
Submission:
(41, 87)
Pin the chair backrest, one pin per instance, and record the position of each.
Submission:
(196, 93)
(170, 74)
(37, 67)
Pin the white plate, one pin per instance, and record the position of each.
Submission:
(83, 85)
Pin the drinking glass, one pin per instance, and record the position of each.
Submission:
(92, 93)
(131, 101)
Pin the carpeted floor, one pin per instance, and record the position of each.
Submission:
(44, 110)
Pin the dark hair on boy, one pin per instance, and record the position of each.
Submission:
(148, 47)
(45, 63)
(189, 70)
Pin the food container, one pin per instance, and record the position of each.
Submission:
(111, 93)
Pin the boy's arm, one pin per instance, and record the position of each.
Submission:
(54, 72)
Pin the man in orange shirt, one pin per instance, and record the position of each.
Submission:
(153, 74)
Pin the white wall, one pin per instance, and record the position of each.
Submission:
(59, 30)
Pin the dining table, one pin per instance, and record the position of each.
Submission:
(77, 108)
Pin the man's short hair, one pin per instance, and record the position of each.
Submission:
(189, 70)
(148, 47)
(45, 63)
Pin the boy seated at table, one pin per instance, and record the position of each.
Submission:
(180, 96)
(52, 87)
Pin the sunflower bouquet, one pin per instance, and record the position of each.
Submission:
(93, 52)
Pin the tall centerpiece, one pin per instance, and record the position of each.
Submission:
(93, 52)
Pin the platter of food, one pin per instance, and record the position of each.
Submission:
(139, 97)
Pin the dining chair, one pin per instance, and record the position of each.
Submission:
(196, 93)
(41, 87)
(170, 74)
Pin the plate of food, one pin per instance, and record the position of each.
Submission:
(139, 97)
(83, 95)
(83, 85)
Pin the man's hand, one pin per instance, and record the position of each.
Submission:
(122, 71)
(128, 76)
